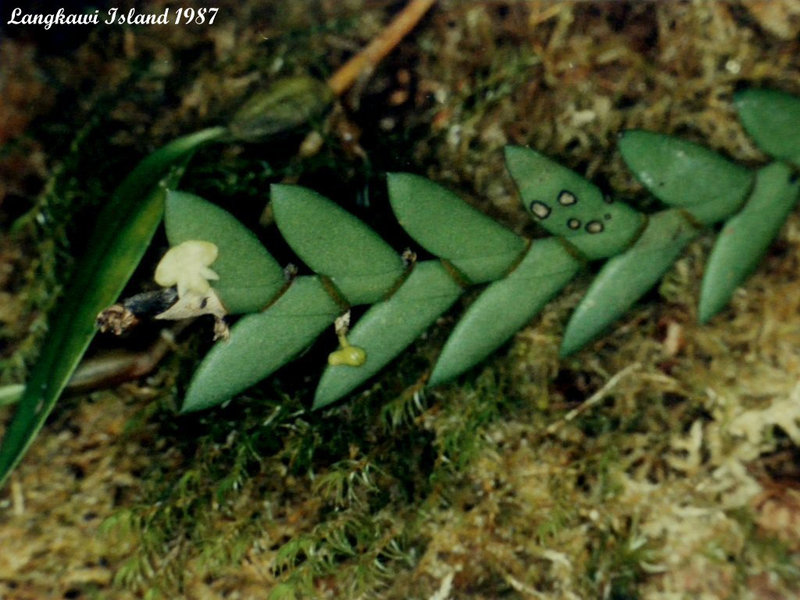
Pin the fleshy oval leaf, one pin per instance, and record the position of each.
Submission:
(602, 243)
(335, 243)
(568, 205)
(261, 343)
(625, 278)
(505, 306)
(772, 118)
(684, 174)
(448, 227)
(249, 277)
(745, 237)
(388, 327)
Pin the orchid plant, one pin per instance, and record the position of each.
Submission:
(219, 267)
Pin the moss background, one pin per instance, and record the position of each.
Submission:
(676, 476)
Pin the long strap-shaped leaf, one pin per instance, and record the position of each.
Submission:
(124, 230)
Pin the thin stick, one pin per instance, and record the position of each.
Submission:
(596, 397)
(365, 61)
(109, 369)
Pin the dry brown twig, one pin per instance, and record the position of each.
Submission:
(363, 64)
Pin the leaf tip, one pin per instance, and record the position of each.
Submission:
(321, 400)
(709, 306)
(277, 190)
(572, 342)
(439, 375)
(510, 151)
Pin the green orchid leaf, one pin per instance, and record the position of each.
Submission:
(567, 205)
(248, 275)
(625, 278)
(124, 230)
(686, 175)
(448, 227)
(772, 118)
(505, 307)
(335, 243)
(745, 238)
(597, 244)
(261, 343)
(285, 105)
(388, 327)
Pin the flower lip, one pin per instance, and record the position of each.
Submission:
(187, 267)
